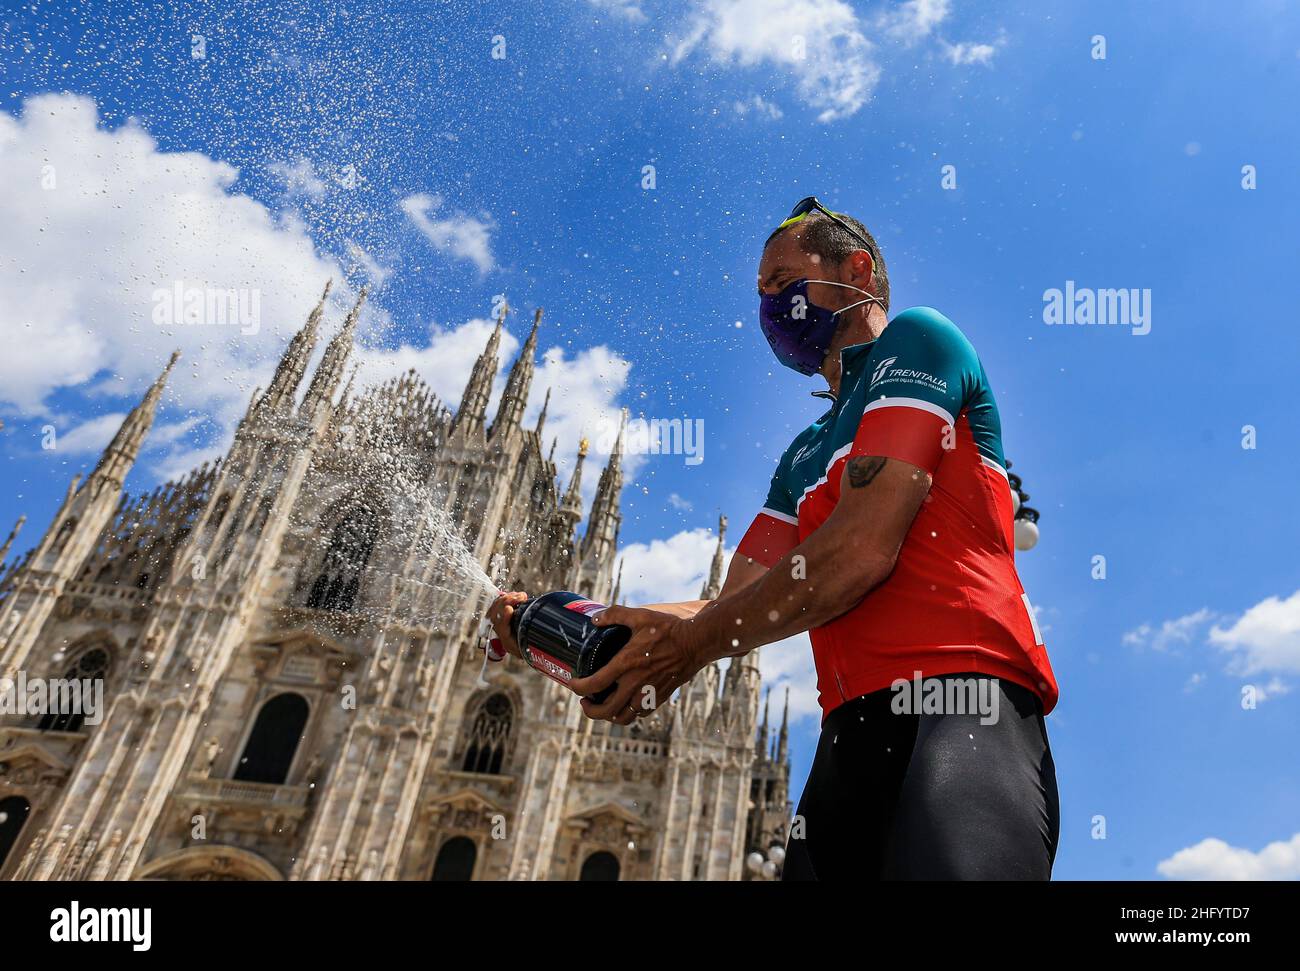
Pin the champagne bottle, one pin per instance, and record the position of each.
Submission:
(556, 636)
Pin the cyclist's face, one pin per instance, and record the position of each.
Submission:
(785, 261)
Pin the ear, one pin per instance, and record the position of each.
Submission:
(860, 266)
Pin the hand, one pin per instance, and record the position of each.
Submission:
(500, 613)
(661, 657)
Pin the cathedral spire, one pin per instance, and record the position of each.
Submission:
(510, 413)
(783, 745)
(325, 382)
(618, 585)
(473, 403)
(87, 508)
(121, 453)
(602, 529)
(541, 419)
(762, 729)
(571, 505)
(713, 586)
(293, 365)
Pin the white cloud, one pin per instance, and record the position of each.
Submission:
(123, 219)
(1266, 638)
(914, 20)
(584, 400)
(969, 53)
(91, 435)
(674, 569)
(1213, 859)
(678, 503)
(918, 20)
(824, 46)
(444, 362)
(627, 9)
(1274, 687)
(464, 237)
(81, 262)
(585, 387)
(789, 663)
(300, 178)
(1262, 641)
(376, 274)
(821, 44)
(668, 570)
(758, 105)
(1171, 633)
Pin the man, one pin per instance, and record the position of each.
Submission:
(887, 535)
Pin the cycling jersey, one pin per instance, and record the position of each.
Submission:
(953, 602)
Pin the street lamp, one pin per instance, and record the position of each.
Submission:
(766, 867)
(1025, 524)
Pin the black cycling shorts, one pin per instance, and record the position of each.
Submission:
(936, 796)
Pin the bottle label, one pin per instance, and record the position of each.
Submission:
(587, 607)
(549, 666)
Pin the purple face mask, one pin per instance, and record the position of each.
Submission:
(799, 331)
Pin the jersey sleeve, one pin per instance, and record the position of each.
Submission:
(775, 530)
(923, 377)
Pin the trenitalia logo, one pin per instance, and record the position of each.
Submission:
(902, 375)
(879, 372)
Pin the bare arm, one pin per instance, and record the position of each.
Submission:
(823, 577)
(831, 571)
(741, 572)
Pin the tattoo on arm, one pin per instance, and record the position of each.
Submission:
(863, 469)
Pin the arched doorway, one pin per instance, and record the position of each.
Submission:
(271, 746)
(13, 814)
(455, 860)
(600, 866)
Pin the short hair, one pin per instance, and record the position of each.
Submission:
(823, 237)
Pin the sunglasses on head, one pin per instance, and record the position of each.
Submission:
(810, 205)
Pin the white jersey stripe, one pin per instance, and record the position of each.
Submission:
(843, 451)
(910, 403)
(994, 466)
(767, 511)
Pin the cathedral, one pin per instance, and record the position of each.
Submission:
(293, 687)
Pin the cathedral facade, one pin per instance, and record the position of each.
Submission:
(292, 684)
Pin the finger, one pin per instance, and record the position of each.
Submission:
(507, 600)
(628, 616)
(504, 607)
(633, 654)
(626, 717)
(651, 698)
(618, 701)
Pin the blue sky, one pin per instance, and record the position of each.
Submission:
(390, 147)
